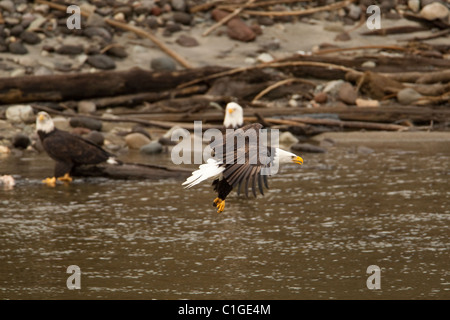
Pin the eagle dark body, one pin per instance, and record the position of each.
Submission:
(243, 172)
(69, 150)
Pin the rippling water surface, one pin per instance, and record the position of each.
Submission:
(312, 236)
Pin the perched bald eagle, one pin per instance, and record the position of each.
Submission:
(68, 150)
(234, 116)
(248, 164)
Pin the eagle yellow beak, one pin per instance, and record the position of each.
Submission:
(41, 117)
(230, 111)
(298, 160)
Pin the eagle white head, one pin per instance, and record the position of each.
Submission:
(234, 116)
(283, 156)
(44, 122)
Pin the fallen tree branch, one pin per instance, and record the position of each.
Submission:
(278, 84)
(267, 3)
(384, 64)
(138, 98)
(433, 36)
(303, 122)
(149, 123)
(387, 114)
(80, 86)
(436, 89)
(267, 65)
(394, 30)
(425, 101)
(352, 124)
(334, 50)
(435, 77)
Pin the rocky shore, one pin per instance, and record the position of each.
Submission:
(35, 41)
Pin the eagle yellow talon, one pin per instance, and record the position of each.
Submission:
(65, 178)
(217, 200)
(221, 206)
(51, 182)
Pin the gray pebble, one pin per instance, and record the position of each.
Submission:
(17, 47)
(347, 93)
(21, 141)
(145, 7)
(30, 37)
(20, 113)
(101, 61)
(408, 96)
(16, 30)
(152, 22)
(182, 17)
(332, 87)
(117, 51)
(271, 45)
(127, 11)
(136, 140)
(42, 71)
(354, 11)
(22, 7)
(84, 122)
(92, 49)
(99, 32)
(7, 5)
(153, 147)
(95, 20)
(368, 64)
(265, 21)
(414, 5)
(321, 97)
(178, 5)
(12, 21)
(163, 64)
(70, 49)
(171, 27)
(187, 41)
(86, 107)
(3, 47)
(104, 11)
(95, 137)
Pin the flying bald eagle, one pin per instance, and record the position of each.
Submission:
(247, 163)
(234, 116)
(68, 150)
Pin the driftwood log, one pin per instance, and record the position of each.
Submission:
(131, 171)
(407, 63)
(81, 86)
(378, 114)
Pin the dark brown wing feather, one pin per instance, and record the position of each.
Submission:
(66, 147)
(249, 172)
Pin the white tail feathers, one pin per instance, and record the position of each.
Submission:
(210, 169)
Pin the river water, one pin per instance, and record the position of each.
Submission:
(312, 236)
